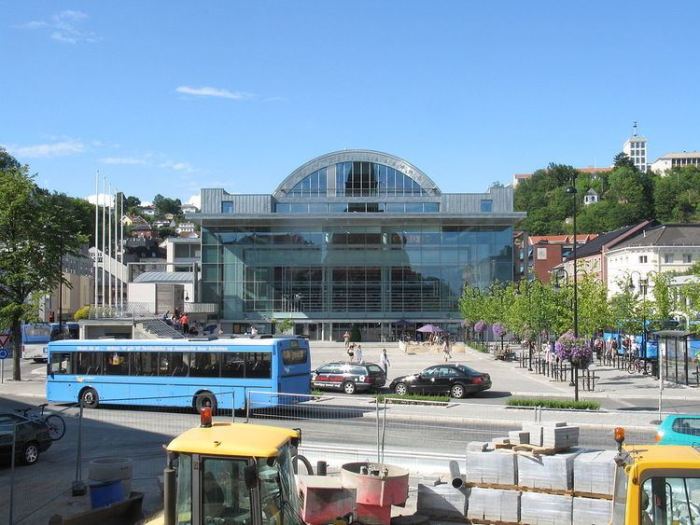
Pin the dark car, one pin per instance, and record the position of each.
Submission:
(455, 380)
(32, 438)
(348, 377)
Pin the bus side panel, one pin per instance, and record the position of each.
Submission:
(62, 389)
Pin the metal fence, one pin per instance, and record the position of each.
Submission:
(134, 429)
(335, 428)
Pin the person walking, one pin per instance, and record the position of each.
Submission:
(358, 354)
(346, 339)
(384, 362)
(446, 350)
(185, 323)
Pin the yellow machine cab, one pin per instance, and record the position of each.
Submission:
(231, 473)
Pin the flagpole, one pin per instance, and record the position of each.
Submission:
(97, 222)
(116, 250)
(121, 250)
(109, 248)
(104, 222)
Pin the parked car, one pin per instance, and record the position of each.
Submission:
(348, 377)
(679, 429)
(32, 438)
(455, 380)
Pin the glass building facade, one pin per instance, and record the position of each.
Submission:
(354, 237)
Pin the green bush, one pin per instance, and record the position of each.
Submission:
(553, 403)
(284, 326)
(82, 313)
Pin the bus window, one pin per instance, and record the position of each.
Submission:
(61, 363)
(171, 364)
(144, 364)
(88, 363)
(117, 364)
(258, 365)
(294, 356)
(204, 364)
(232, 365)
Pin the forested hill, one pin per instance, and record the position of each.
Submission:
(626, 196)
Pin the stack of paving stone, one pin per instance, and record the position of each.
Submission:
(594, 482)
(573, 487)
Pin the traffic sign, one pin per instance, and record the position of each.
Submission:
(4, 339)
(3, 354)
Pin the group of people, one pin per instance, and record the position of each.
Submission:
(355, 354)
(181, 321)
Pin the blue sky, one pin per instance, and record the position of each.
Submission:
(168, 97)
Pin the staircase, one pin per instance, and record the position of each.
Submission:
(155, 329)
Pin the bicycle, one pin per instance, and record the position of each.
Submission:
(56, 424)
(640, 365)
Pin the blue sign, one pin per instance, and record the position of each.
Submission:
(3, 354)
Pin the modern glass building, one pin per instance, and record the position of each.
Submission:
(353, 237)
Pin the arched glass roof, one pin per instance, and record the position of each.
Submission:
(356, 173)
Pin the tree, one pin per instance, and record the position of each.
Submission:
(663, 301)
(165, 205)
(593, 313)
(622, 160)
(36, 230)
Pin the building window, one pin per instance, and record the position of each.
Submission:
(486, 205)
(642, 259)
(541, 254)
(368, 179)
(687, 258)
(668, 258)
(313, 185)
(227, 207)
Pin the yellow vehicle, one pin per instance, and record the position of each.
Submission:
(231, 473)
(656, 484)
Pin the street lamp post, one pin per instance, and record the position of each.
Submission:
(643, 286)
(574, 369)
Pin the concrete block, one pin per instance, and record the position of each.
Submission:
(547, 472)
(535, 431)
(560, 437)
(588, 511)
(498, 466)
(519, 437)
(493, 504)
(594, 472)
(441, 501)
(545, 509)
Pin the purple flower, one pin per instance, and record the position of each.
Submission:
(498, 330)
(575, 350)
(480, 326)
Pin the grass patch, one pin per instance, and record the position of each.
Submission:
(414, 397)
(553, 403)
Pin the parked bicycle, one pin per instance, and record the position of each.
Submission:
(639, 365)
(56, 424)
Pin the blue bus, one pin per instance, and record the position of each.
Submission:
(35, 337)
(176, 372)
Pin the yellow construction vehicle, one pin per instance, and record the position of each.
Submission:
(656, 484)
(231, 473)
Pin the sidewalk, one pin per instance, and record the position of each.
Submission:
(610, 383)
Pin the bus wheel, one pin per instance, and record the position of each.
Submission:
(89, 398)
(205, 399)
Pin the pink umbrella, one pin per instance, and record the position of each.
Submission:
(430, 328)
